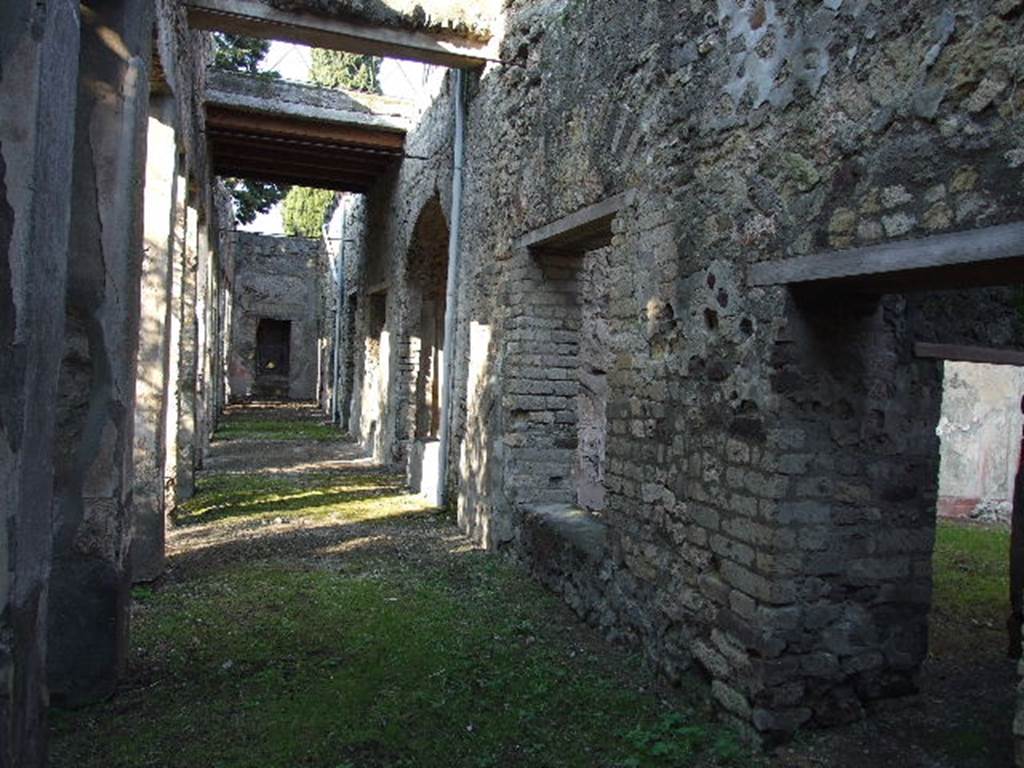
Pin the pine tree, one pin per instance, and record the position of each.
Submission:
(352, 71)
(305, 211)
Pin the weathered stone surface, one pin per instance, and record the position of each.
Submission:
(185, 463)
(38, 66)
(764, 461)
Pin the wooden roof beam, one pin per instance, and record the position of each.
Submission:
(274, 126)
(341, 181)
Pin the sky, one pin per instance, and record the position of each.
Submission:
(397, 78)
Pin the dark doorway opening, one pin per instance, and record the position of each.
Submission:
(273, 357)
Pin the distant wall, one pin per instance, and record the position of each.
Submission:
(980, 432)
(278, 278)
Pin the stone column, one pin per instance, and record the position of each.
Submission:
(151, 379)
(184, 485)
(90, 582)
(170, 428)
(38, 70)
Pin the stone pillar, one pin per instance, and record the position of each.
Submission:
(151, 379)
(38, 70)
(90, 582)
(184, 485)
(170, 428)
(202, 347)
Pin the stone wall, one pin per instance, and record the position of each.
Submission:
(277, 278)
(771, 457)
(980, 432)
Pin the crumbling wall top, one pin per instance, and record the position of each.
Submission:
(472, 19)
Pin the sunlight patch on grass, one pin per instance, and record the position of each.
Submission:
(352, 497)
(250, 428)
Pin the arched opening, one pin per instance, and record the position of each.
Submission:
(426, 274)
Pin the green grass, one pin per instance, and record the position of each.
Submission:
(239, 427)
(970, 568)
(269, 666)
(281, 663)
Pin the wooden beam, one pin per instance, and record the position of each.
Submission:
(315, 157)
(585, 230)
(325, 171)
(255, 19)
(989, 256)
(258, 143)
(965, 354)
(221, 119)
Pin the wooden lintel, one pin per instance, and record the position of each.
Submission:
(255, 19)
(584, 230)
(967, 354)
(988, 256)
(258, 144)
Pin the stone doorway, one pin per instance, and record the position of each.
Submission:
(885, 591)
(273, 358)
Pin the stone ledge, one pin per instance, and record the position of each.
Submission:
(569, 526)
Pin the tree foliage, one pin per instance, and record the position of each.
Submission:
(305, 211)
(353, 71)
(235, 53)
(252, 198)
